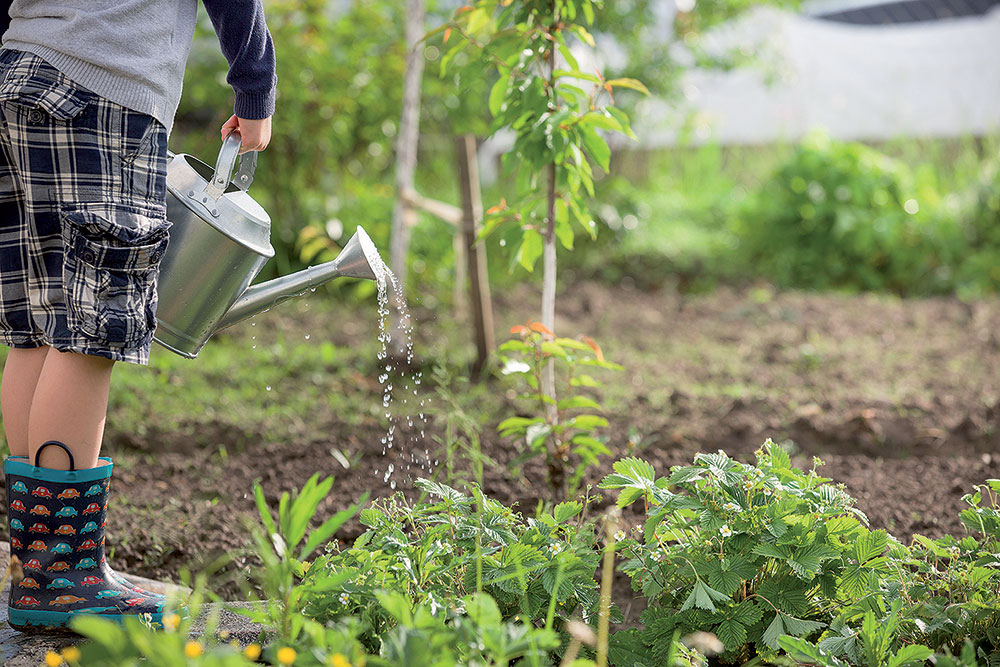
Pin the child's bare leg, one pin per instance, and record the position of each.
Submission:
(70, 405)
(17, 388)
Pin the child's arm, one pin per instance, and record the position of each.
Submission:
(247, 46)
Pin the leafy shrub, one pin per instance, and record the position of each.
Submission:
(844, 216)
(749, 553)
(979, 269)
(758, 553)
(542, 568)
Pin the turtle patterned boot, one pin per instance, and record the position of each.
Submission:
(57, 522)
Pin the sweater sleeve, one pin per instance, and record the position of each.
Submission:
(247, 46)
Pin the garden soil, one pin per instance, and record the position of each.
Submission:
(899, 398)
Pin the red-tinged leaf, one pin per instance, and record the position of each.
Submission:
(464, 8)
(517, 329)
(447, 34)
(542, 329)
(595, 347)
(502, 206)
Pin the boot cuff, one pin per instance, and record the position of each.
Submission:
(18, 465)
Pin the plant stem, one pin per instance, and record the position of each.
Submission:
(607, 577)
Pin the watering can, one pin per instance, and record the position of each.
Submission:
(219, 241)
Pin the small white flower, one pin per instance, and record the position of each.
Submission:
(555, 548)
(747, 484)
(344, 598)
(768, 491)
(619, 536)
(954, 551)
(731, 507)
(658, 556)
(725, 531)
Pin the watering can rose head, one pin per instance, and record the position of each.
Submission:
(219, 242)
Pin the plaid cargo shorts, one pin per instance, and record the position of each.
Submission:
(82, 215)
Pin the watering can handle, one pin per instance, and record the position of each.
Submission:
(224, 167)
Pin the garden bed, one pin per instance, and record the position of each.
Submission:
(899, 397)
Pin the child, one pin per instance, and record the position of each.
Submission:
(88, 92)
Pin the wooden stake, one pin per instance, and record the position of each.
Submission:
(480, 301)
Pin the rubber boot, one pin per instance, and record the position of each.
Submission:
(57, 522)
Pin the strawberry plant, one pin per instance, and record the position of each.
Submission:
(436, 552)
(750, 553)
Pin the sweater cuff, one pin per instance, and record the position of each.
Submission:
(254, 106)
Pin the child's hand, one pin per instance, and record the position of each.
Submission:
(255, 133)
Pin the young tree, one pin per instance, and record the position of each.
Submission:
(557, 113)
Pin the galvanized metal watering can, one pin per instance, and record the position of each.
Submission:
(219, 241)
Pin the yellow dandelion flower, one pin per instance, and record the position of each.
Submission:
(193, 649)
(71, 654)
(252, 651)
(338, 660)
(53, 659)
(171, 622)
(286, 655)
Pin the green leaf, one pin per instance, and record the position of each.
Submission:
(931, 546)
(635, 469)
(498, 93)
(807, 561)
(584, 381)
(772, 551)
(530, 249)
(626, 648)
(779, 457)
(596, 146)
(872, 545)
(578, 402)
(586, 422)
(566, 511)
(326, 530)
(908, 655)
(784, 624)
(728, 574)
(517, 425)
(804, 652)
(702, 596)
(482, 609)
(732, 634)
(263, 510)
(634, 84)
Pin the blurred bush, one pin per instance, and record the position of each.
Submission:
(844, 216)
(979, 270)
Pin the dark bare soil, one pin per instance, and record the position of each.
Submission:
(901, 399)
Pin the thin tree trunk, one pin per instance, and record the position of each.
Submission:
(549, 267)
(406, 140)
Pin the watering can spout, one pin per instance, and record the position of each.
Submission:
(354, 261)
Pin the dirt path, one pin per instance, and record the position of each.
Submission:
(900, 398)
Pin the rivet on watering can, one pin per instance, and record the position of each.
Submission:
(215, 212)
(204, 200)
(190, 193)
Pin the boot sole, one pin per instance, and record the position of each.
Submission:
(27, 620)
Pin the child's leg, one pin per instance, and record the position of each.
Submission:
(70, 405)
(17, 387)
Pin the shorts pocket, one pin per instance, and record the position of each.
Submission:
(37, 95)
(110, 267)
